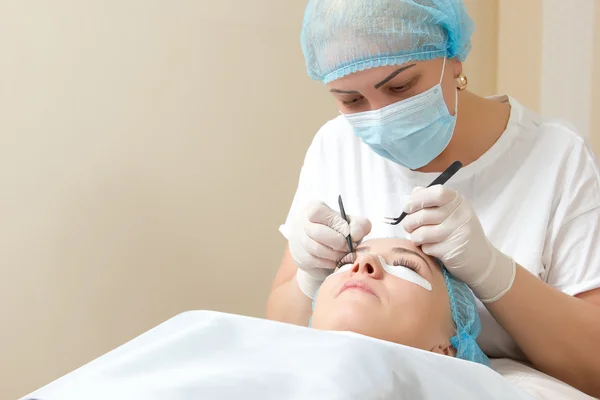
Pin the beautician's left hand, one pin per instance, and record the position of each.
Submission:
(441, 221)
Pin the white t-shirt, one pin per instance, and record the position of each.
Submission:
(536, 193)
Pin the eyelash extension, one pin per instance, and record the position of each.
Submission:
(400, 262)
(405, 262)
(343, 261)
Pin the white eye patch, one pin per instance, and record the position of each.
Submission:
(398, 271)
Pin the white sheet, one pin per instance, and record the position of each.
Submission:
(536, 383)
(210, 355)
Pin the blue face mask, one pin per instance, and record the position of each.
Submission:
(411, 132)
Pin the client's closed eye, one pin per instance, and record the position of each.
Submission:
(408, 263)
(346, 260)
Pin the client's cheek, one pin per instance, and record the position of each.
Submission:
(334, 282)
(340, 270)
(328, 288)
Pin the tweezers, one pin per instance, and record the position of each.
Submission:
(440, 180)
(343, 212)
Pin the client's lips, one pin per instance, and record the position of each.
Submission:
(357, 285)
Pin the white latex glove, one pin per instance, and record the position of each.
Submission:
(318, 241)
(441, 221)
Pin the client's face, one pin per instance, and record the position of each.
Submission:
(402, 300)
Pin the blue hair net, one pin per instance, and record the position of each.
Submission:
(340, 37)
(465, 317)
(466, 320)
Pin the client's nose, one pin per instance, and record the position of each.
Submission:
(368, 264)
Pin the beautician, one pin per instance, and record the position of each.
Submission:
(519, 223)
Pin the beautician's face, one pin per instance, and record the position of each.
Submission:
(366, 299)
(375, 88)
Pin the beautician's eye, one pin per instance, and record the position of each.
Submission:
(404, 86)
(400, 89)
(353, 103)
(408, 263)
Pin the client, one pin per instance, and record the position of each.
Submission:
(390, 290)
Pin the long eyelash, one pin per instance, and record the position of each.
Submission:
(408, 263)
(343, 261)
(405, 86)
(352, 102)
(402, 88)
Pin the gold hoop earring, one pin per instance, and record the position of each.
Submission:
(463, 82)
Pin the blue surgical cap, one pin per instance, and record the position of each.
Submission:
(340, 37)
(465, 317)
(466, 320)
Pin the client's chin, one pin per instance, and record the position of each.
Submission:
(355, 317)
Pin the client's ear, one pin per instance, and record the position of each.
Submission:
(446, 349)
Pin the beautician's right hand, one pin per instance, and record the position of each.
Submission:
(318, 241)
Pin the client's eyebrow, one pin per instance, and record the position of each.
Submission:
(402, 250)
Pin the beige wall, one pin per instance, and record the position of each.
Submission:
(481, 66)
(525, 31)
(148, 152)
(519, 50)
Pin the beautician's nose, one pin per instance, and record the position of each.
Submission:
(368, 264)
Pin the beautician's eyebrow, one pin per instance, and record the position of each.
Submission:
(393, 75)
(402, 250)
(344, 91)
(380, 84)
